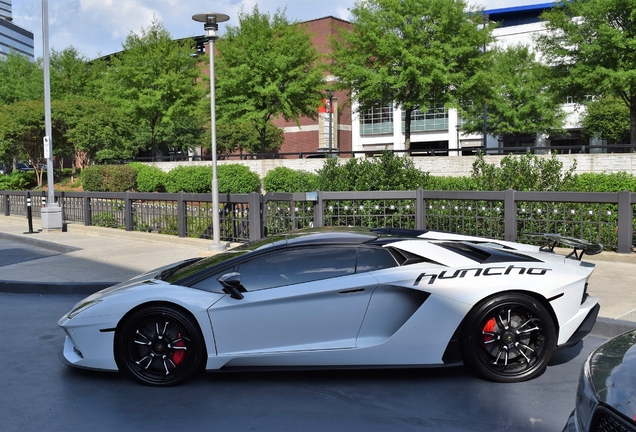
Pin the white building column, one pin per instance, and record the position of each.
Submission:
(454, 141)
(356, 138)
(398, 136)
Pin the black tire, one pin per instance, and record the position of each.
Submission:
(508, 338)
(159, 346)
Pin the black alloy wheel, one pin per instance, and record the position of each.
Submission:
(508, 338)
(160, 346)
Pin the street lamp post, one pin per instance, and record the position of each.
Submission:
(51, 215)
(211, 27)
(330, 113)
(458, 127)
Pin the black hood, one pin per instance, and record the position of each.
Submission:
(613, 374)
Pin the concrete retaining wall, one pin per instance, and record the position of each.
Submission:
(454, 166)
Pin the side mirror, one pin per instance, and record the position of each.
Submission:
(231, 283)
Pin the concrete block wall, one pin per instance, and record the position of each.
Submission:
(452, 166)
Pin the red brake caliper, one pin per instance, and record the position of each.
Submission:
(178, 355)
(489, 327)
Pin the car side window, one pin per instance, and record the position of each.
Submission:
(374, 258)
(297, 265)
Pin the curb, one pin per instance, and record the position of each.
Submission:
(32, 241)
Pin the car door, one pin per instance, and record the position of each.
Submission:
(304, 298)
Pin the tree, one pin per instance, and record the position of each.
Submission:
(22, 79)
(243, 136)
(519, 101)
(590, 45)
(91, 129)
(72, 74)
(607, 118)
(267, 67)
(414, 53)
(22, 127)
(155, 81)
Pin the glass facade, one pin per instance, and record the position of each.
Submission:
(377, 120)
(434, 119)
(5, 10)
(14, 38)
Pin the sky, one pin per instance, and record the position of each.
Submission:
(99, 27)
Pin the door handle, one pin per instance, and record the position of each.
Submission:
(349, 291)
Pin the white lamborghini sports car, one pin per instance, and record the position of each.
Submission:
(330, 298)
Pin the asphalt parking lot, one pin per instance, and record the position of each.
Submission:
(42, 394)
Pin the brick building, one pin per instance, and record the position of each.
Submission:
(312, 136)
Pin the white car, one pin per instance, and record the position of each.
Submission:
(333, 298)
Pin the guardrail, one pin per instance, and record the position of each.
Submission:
(606, 218)
(182, 214)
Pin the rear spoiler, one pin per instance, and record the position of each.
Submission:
(579, 246)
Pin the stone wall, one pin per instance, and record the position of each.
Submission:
(454, 166)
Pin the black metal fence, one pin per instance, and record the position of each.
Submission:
(607, 218)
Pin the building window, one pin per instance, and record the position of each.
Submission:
(434, 119)
(377, 120)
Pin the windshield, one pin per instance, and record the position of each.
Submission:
(180, 272)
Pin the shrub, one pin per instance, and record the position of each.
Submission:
(149, 178)
(108, 178)
(524, 173)
(450, 183)
(606, 182)
(106, 219)
(190, 179)
(237, 178)
(16, 181)
(283, 179)
(387, 172)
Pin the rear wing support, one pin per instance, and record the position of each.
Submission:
(579, 246)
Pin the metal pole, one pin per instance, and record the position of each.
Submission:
(47, 104)
(330, 122)
(211, 20)
(216, 226)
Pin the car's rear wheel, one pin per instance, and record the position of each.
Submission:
(160, 346)
(508, 338)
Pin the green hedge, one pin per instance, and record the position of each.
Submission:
(17, 180)
(190, 179)
(149, 178)
(283, 179)
(109, 178)
(237, 178)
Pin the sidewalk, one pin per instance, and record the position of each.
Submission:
(89, 258)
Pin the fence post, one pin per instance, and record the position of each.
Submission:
(128, 219)
(510, 216)
(7, 204)
(88, 220)
(319, 215)
(420, 210)
(625, 222)
(181, 215)
(254, 216)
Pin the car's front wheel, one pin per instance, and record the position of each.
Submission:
(159, 346)
(508, 338)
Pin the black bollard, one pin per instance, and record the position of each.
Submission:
(29, 214)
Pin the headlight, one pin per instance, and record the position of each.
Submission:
(81, 307)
